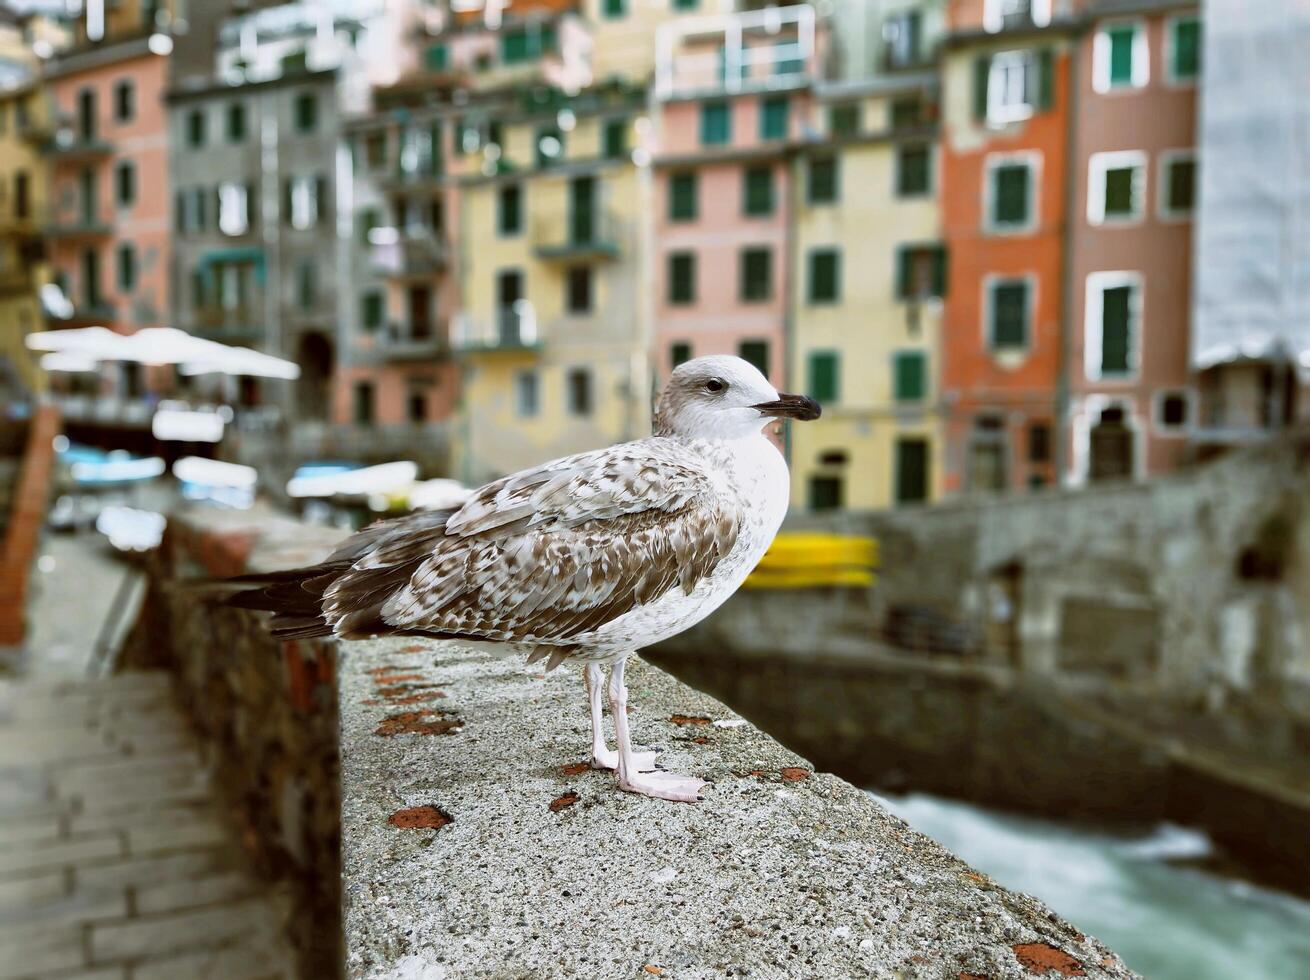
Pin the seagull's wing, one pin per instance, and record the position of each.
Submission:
(548, 554)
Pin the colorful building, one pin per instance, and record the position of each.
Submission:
(109, 217)
(1004, 151)
(25, 128)
(869, 269)
(733, 96)
(1133, 162)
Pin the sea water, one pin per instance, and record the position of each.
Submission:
(1167, 920)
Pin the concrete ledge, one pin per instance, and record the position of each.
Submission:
(545, 869)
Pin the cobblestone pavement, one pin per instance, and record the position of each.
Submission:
(114, 861)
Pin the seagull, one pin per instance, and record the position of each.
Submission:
(584, 559)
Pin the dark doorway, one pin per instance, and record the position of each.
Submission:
(313, 389)
(1111, 448)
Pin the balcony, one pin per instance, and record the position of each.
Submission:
(408, 255)
(39, 132)
(400, 343)
(576, 237)
(728, 54)
(509, 330)
(28, 224)
(229, 325)
(85, 313)
(78, 227)
(111, 410)
(67, 148)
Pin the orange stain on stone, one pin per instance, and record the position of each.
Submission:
(1041, 958)
(417, 817)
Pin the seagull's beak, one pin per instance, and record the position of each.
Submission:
(798, 407)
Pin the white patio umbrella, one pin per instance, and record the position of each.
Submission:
(162, 345)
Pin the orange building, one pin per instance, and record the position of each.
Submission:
(1005, 132)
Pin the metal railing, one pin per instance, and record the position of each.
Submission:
(568, 235)
(514, 328)
(401, 253)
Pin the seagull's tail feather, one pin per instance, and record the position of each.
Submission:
(295, 598)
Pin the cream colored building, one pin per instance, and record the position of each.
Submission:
(552, 337)
(868, 275)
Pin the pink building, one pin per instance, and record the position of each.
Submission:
(732, 100)
(109, 230)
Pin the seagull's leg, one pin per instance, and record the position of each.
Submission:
(602, 756)
(661, 785)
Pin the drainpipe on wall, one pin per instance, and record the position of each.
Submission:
(1065, 340)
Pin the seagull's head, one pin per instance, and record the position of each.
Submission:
(723, 397)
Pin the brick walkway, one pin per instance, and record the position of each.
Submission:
(114, 864)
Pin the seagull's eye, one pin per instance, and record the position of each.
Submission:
(716, 385)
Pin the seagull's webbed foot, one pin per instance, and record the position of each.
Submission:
(663, 786)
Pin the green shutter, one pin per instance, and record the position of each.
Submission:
(911, 470)
(844, 120)
(823, 376)
(437, 57)
(682, 278)
(904, 270)
(756, 274)
(756, 353)
(1009, 315)
(939, 269)
(613, 8)
(909, 383)
(679, 353)
(1119, 192)
(1187, 49)
(1045, 78)
(913, 164)
(773, 118)
(371, 312)
(758, 191)
(1115, 313)
(715, 124)
(822, 188)
(682, 197)
(616, 138)
(825, 276)
(1182, 186)
(1121, 54)
(1010, 203)
(982, 67)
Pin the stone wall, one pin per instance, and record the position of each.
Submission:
(265, 711)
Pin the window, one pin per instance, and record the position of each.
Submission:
(371, 310)
(195, 128)
(375, 151)
(527, 394)
(437, 57)
(369, 219)
(1177, 183)
(825, 275)
(1183, 54)
(901, 34)
(908, 111)
(22, 194)
(550, 146)
(1011, 194)
(199, 209)
(1000, 15)
(822, 186)
(236, 122)
(679, 353)
(1116, 186)
(91, 294)
(527, 43)
(1008, 312)
(1039, 442)
(773, 118)
(125, 184)
(909, 376)
(1011, 85)
(126, 267)
(756, 274)
(1120, 57)
(844, 119)
(686, 4)
(306, 112)
(683, 204)
(682, 278)
(911, 470)
(1113, 325)
(305, 200)
(233, 208)
(306, 284)
(509, 210)
(615, 139)
(363, 402)
(614, 9)
(416, 404)
(86, 115)
(1172, 410)
(913, 170)
(715, 124)
(920, 271)
(825, 493)
(579, 391)
(124, 101)
(756, 353)
(578, 292)
(757, 184)
(823, 379)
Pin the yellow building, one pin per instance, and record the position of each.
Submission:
(25, 127)
(623, 33)
(869, 273)
(554, 329)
